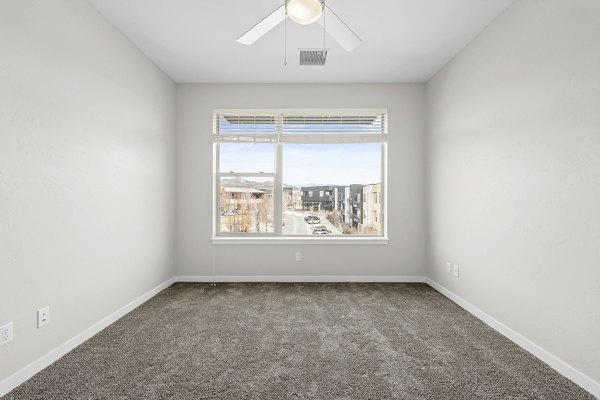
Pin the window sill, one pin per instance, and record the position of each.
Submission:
(303, 240)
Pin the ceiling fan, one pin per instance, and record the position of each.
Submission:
(304, 12)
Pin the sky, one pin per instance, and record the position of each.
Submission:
(303, 164)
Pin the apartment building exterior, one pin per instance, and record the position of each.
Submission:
(317, 198)
(234, 198)
(352, 212)
(292, 198)
(371, 209)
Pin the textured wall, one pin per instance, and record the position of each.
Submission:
(514, 175)
(86, 173)
(405, 253)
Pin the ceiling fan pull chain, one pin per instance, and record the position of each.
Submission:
(285, 40)
(323, 5)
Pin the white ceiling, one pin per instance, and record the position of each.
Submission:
(402, 40)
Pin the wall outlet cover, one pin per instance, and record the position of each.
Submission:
(455, 271)
(448, 267)
(6, 333)
(43, 316)
(298, 256)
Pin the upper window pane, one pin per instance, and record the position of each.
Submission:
(309, 165)
(246, 157)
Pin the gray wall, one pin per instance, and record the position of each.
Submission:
(405, 253)
(86, 173)
(514, 175)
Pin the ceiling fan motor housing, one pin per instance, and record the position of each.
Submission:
(304, 12)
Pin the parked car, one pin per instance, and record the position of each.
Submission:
(321, 230)
(311, 219)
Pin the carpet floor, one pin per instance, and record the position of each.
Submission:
(298, 341)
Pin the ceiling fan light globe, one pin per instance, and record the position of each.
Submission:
(304, 12)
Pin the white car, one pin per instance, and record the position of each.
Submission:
(321, 230)
(311, 219)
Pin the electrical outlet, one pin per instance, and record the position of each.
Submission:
(6, 333)
(455, 270)
(298, 256)
(448, 267)
(43, 316)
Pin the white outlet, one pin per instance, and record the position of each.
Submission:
(455, 270)
(6, 333)
(43, 316)
(448, 267)
(298, 256)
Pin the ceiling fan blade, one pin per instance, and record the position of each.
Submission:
(264, 26)
(339, 30)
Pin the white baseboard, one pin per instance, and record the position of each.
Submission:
(557, 364)
(30, 370)
(300, 278)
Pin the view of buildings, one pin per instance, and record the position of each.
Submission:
(247, 206)
(354, 208)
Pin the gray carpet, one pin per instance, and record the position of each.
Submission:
(298, 341)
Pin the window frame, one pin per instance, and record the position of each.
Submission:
(277, 236)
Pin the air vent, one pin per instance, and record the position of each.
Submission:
(313, 57)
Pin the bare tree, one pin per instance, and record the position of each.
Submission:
(227, 206)
(335, 218)
(265, 212)
(246, 212)
(349, 230)
(258, 214)
(231, 223)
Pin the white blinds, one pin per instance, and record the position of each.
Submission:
(300, 127)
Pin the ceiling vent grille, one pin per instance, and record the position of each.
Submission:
(313, 57)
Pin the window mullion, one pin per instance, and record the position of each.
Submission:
(278, 184)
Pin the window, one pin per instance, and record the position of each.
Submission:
(270, 165)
